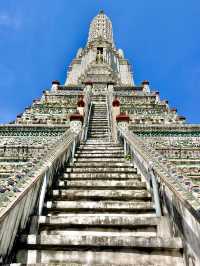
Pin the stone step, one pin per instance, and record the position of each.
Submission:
(109, 221)
(99, 117)
(89, 239)
(110, 176)
(102, 184)
(94, 126)
(106, 194)
(97, 130)
(100, 164)
(98, 123)
(149, 232)
(98, 258)
(99, 120)
(100, 151)
(107, 207)
(103, 143)
(90, 155)
(88, 170)
(88, 147)
(102, 123)
(105, 160)
(98, 138)
(99, 113)
(98, 133)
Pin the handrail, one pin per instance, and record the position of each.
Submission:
(14, 217)
(110, 118)
(143, 166)
(178, 202)
(87, 122)
(162, 169)
(87, 98)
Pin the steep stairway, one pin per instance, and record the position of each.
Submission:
(99, 212)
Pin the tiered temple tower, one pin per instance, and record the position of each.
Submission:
(100, 171)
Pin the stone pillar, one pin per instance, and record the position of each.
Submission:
(88, 86)
(76, 121)
(116, 107)
(55, 84)
(145, 85)
(81, 106)
(123, 121)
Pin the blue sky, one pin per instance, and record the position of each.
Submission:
(38, 40)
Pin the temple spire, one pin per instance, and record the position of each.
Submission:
(101, 27)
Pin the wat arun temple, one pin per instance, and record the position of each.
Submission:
(100, 171)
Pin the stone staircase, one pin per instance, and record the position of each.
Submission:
(99, 212)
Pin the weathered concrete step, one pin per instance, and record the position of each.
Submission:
(101, 170)
(106, 151)
(102, 184)
(98, 122)
(85, 239)
(99, 115)
(97, 131)
(99, 118)
(97, 232)
(98, 258)
(89, 155)
(102, 176)
(105, 221)
(97, 148)
(99, 145)
(101, 160)
(97, 134)
(100, 164)
(106, 194)
(97, 128)
(92, 126)
(103, 143)
(109, 206)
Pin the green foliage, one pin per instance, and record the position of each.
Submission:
(128, 157)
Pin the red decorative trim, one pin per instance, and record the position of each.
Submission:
(55, 82)
(111, 83)
(145, 82)
(88, 82)
(81, 103)
(116, 102)
(174, 110)
(122, 117)
(180, 117)
(76, 117)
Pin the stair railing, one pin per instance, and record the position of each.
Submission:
(87, 122)
(87, 112)
(180, 204)
(15, 214)
(109, 115)
(145, 168)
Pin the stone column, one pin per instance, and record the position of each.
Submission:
(145, 85)
(123, 121)
(88, 86)
(116, 108)
(76, 121)
(81, 106)
(55, 84)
